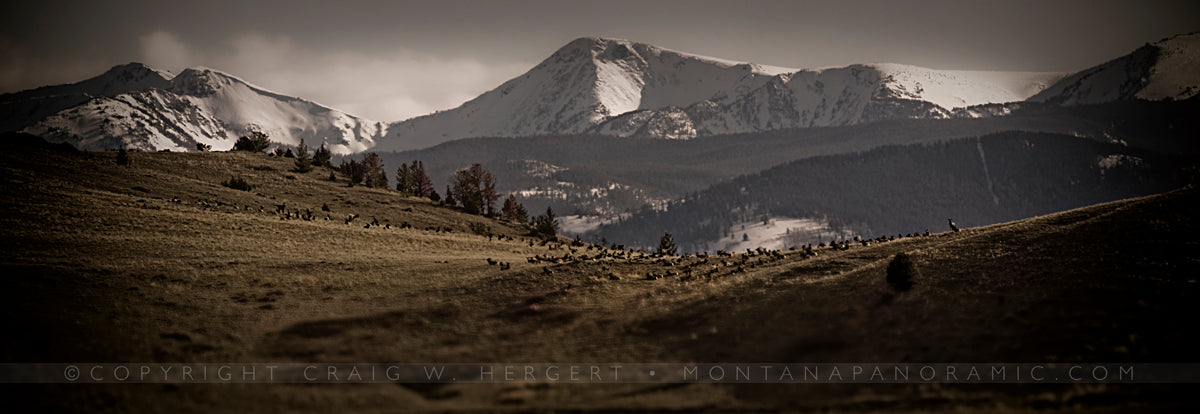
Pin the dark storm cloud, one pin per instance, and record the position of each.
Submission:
(390, 60)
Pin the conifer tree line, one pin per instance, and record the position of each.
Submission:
(472, 188)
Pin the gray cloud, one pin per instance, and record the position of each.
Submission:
(386, 85)
(389, 60)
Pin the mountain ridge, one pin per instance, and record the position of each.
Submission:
(1165, 69)
(198, 106)
(591, 85)
(623, 88)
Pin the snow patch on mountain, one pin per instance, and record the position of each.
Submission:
(951, 89)
(777, 233)
(629, 89)
(1176, 73)
(200, 105)
(1164, 70)
(21, 109)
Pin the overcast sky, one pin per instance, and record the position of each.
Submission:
(391, 60)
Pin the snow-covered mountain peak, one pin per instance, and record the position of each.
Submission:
(119, 79)
(200, 82)
(20, 109)
(619, 87)
(1176, 74)
(135, 72)
(204, 81)
(1166, 69)
(139, 107)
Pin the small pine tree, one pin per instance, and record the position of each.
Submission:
(202, 147)
(404, 180)
(352, 169)
(422, 186)
(513, 211)
(289, 154)
(666, 245)
(123, 157)
(450, 200)
(255, 142)
(901, 271)
(321, 157)
(434, 196)
(745, 237)
(373, 175)
(546, 225)
(304, 164)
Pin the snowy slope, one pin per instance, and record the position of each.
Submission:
(202, 105)
(20, 109)
(623, 88)
(584, 83)
(1168, 69)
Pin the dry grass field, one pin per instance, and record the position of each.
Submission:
(158, 262)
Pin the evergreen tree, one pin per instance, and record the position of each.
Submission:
(475, 188)
(255, 142)
(202, 147)
(514, 211)
(353, 170)
(422, 186)
(434, 196)
(304, 164)
(288, 154)
(666, 245)
(488, 193)
(546, 225)
(373, 174)
(404, 180)
(450, 200)
(322, 157)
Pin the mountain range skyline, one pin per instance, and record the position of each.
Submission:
(591, 85)
(394, 61)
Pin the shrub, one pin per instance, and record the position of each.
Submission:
(666, 245)
(480, 229)
(255, 142)
(901, 271)
(237, 183)
(202, 147)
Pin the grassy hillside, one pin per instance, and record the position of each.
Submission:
(101, 263)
